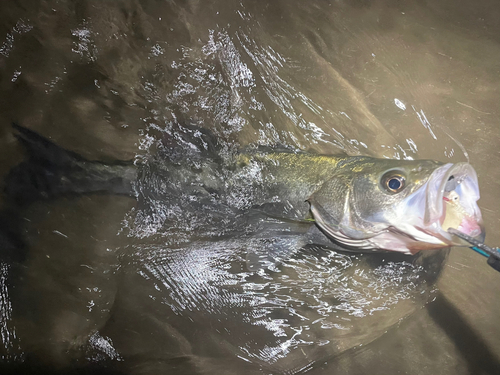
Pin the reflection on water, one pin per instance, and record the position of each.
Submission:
(7, 332)
(155, 287)
(315, 300)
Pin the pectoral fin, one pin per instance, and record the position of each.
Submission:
(276, 241)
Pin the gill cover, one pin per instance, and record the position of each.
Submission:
(341, 205)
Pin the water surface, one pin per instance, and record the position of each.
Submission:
(111, 285)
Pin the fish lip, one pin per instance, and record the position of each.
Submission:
(440, 182)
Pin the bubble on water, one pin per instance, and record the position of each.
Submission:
(20, 28)
(399, 104)
(101, 348)
(84, 45)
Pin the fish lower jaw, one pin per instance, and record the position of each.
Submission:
(408, 240)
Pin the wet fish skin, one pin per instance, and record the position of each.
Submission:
(326, 179)
(286, 175)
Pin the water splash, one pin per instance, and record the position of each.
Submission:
(84, 45)
(10, 341)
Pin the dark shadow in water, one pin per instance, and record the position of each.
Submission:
(12, 245)
(477, 354)
(33, 369)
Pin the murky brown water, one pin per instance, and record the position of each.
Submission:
(384, 78)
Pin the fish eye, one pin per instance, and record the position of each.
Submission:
(393, 182)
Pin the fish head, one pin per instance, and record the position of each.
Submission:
(398, 205)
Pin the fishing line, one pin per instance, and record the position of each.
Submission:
(493, 254)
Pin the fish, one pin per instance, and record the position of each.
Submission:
(349, 203)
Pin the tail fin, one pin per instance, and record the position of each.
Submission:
(50, 171)
(40, 148)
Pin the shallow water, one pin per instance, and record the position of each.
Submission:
(382, 78)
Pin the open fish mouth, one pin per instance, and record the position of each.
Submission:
(452, 192)
(447, 200)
